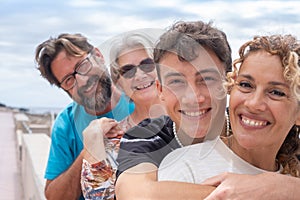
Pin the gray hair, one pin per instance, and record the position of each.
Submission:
(129, 41)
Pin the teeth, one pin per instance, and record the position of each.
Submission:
(140, 87)
(250, 122)
(194, 114)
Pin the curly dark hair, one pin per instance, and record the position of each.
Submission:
(184, 39)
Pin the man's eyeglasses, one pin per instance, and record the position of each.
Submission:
(128, 71)
(81, 68)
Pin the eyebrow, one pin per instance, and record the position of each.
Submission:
(209, 70)
(275, 83)
(201, 72)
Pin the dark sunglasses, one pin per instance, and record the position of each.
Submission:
(128, 71)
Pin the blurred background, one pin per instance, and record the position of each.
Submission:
(25, 24)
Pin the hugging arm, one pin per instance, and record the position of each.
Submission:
(141, 150)
(66, 185)
(269, 185)
(135, 183)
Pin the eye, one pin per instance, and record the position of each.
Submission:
(277, 93)
(244, 86)
(175, 82)
(69, 81)
(210, 79)
(84, 66)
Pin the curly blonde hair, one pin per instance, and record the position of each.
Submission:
(288, 49)
(285, 46)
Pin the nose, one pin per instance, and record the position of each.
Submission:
(256, 101)
(193, 95)
(81, 79)
(140, 74)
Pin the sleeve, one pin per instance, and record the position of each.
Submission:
(61, 155)
(136, 151)
(97, 180)
(143, 144)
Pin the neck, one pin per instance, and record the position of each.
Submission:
(183, 139)
(147, 109)
(263, 158)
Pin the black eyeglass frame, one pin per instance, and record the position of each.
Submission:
(77, 68)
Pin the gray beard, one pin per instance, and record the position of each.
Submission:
(102, 95)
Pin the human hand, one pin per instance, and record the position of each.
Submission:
(94, 133)
(243, 187)
(115, 131)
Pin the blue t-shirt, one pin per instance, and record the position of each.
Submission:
(66, 136)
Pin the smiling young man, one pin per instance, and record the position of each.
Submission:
(188, 88)
(70, 62)
(193, 58)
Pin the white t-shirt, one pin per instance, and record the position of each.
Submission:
(197, 162)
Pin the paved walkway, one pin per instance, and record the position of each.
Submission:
(10, 175)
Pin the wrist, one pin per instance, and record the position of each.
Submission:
(90, 158)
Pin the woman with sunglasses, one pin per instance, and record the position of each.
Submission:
(133, 72)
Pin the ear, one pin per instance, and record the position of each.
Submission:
(119, 86)
(99, 54)
(159, 90)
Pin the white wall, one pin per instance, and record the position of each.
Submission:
(34, 151)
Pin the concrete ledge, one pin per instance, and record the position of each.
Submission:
(39, 128)
(21, 117)
(35, 150)
(19, 138)
(21, 122)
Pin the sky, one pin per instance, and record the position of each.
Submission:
(25, 24)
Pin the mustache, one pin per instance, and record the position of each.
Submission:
(102, 95)
(104, 80)
(90, 81)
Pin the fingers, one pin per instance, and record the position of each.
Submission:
(218, 193)
(110, 128)
(93, 136)
(115, 131)
(215, 180)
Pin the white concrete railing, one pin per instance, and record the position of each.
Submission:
(34, 155)
(32, 151)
